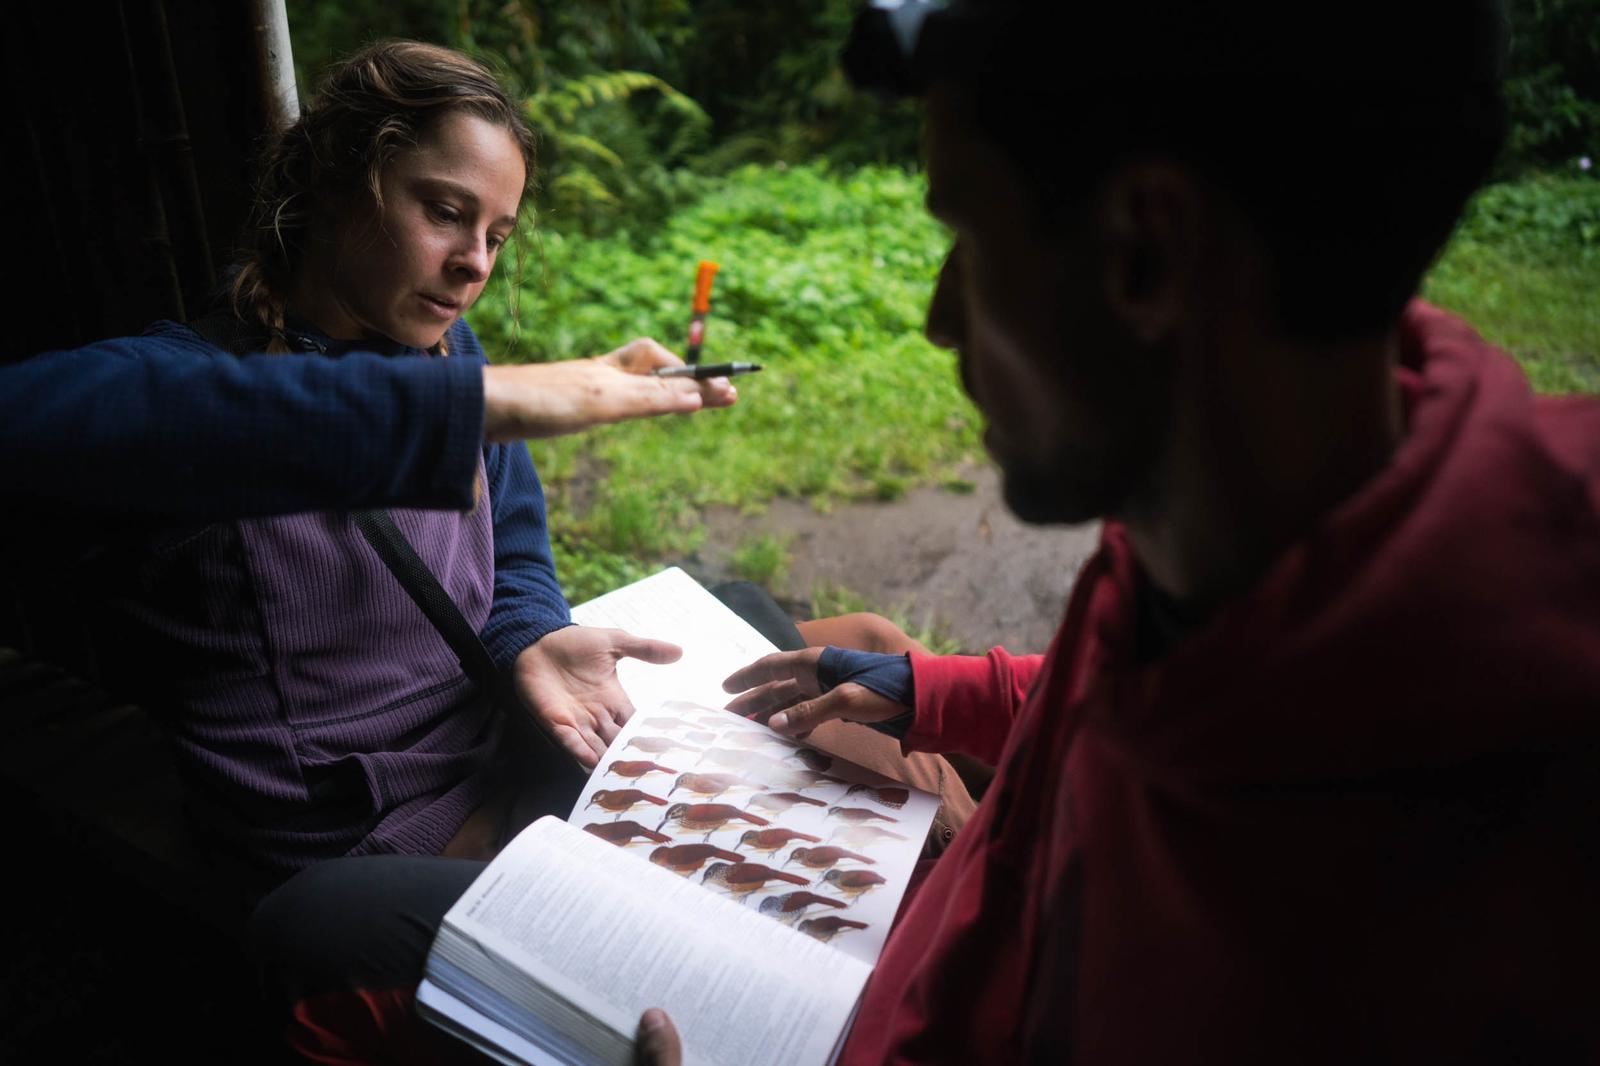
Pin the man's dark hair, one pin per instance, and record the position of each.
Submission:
(1350, 134)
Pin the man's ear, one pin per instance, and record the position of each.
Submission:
(1150, 221)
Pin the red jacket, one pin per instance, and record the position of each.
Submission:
(1355, 818)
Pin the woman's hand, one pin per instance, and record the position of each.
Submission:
(783, 691)
(568, 681)
(549, 399)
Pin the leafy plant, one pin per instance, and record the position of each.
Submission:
(764, 560)
(597, 162)
(1523, 268)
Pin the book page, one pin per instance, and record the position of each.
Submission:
(788, 830)
(614, 936)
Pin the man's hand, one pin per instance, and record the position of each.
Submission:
(568, 681)
(549, 399)
(784, 692)
(657, 1043)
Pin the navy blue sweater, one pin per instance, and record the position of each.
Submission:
(168, 427)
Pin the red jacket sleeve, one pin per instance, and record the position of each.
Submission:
(968, 702)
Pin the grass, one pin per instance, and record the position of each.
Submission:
(1524, 269)
(825, 279)
(764, 560)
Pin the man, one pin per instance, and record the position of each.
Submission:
(1309, 773)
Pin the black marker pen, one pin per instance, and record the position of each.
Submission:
(702, 371)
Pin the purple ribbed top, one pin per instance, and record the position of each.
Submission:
(318, 712)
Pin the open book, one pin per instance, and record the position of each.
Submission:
(743, 881)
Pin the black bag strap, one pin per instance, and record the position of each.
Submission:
(424, 589)
(430, 596)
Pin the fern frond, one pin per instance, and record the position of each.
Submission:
(580, 144)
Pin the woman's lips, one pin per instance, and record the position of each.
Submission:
(440, 306)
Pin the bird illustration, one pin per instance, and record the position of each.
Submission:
(717, 719)
(770, 840)
(791, 905)
(823, 858)
(706, 818)
(685, 859)
(637, 768)
(618, 801)
(658, 722)
(685, 709)
(853, 882)
(781, 801)
(829, 926)
(889, 795)
(657, 745)
(857, 815)
(623, 833)
(814, 759)
(700, 737)
(732, 757)
(743, 878)
(859, 836)
(709, 784)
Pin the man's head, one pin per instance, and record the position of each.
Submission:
(1122, 181)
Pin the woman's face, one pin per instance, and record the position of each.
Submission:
(449, 203)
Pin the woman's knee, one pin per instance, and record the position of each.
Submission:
(863, 631)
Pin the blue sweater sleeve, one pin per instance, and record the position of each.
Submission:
(165, 426)
(528, 602)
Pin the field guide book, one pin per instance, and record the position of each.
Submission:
(740, 880)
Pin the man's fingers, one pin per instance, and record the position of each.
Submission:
(779, 666)
(774, 696)
(805, 716)
(849, 702)
(658, 1043)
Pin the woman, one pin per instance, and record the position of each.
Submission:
(317, 712)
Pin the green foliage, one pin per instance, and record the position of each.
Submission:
(1552, 87)
(1523, 268)
(597, 160)
(587, 571)
(1541, 216)
(613, 138)
(764, 560)
(769, 75)
(1550, 122)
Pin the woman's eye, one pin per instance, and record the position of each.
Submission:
(495, 243)
(443, 212)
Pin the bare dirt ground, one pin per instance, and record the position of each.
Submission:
(955, 561)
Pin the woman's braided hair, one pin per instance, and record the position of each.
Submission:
(375, 104)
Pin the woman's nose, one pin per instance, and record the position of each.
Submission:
(474, 259)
